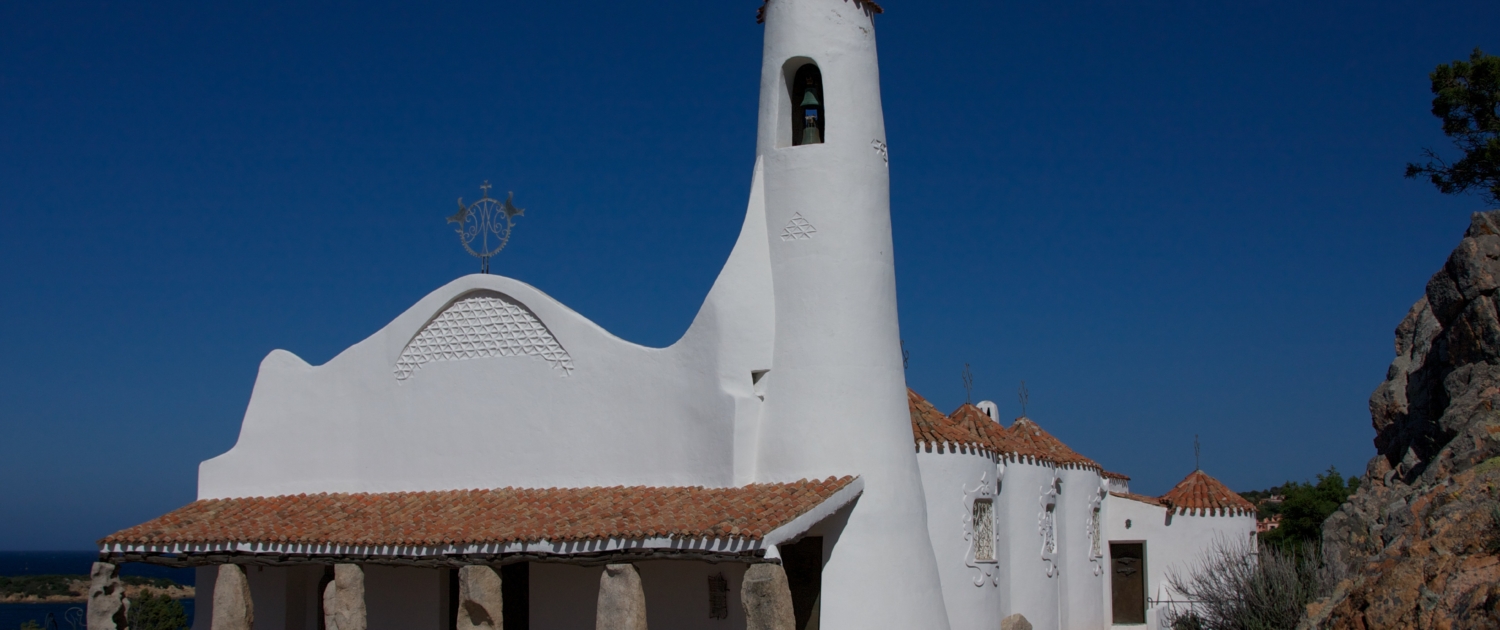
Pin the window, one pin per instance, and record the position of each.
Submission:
(808, 115)
(984, 530)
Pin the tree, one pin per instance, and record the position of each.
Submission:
(1466, 96)
(156, 612)
(1307, 505)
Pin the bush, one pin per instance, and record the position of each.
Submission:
(156, 612)
(1237, 586)
(1307, 505)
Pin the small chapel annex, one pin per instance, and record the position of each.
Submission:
(493, 460)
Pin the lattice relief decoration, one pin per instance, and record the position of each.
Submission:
(979, 529)
(798, 229)
(481, 325)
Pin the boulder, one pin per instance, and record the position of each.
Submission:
(1015, 622)
(344, 599)
(622, 601)
(233, 608)
(108, 607)
(767, 598)
(479, 599)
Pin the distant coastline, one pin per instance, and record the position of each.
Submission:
(57, 589)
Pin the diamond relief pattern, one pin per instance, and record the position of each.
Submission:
(798, 229)
(481, 326)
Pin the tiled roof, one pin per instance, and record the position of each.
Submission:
(1138, 497)
(507, 515)
(1203, 495)
(979, 427)
(1115, 475)
(1032, 441)
(930, 426)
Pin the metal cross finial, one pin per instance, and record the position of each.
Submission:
(905, 354)
(1197, 454)
(484, 226)
(968, 385)
(1025, 397)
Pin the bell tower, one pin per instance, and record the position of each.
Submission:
(835, 399)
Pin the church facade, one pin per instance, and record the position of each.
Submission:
(491, 458)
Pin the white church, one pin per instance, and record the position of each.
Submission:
(492, 459)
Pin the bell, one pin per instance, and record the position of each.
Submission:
(809, 99)
(810, 133)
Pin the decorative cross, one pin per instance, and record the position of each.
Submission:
(484, 226)
(968, 385)
(1025, 397)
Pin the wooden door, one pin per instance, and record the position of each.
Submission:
(1128, 581)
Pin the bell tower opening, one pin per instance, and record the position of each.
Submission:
(808, 112)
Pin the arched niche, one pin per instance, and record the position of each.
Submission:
(807, 119)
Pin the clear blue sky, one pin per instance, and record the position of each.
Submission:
(1167, 218)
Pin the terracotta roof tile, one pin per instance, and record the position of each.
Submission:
(930, 426)
(1138, 497)
(1031, 440)
(1114, 475)
(1204, 495)
(506, 515)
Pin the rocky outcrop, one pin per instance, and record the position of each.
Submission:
(1416, 538)
(108, 607)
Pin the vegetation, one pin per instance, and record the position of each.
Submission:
(156, 612)
(1238, 586)
(1303, 507)
(42, 586)
(1466, 97)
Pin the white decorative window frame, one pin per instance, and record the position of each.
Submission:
(1095, 533)
(984, 570)
(1046, 522)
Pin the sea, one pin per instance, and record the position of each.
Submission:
(62, 616)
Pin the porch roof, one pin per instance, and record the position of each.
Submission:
(443, 525)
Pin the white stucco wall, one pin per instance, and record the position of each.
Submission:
(1028, 587)
(952, 481)
(1083, 572)
(351, 425)
(836, 399)
(1171, 544)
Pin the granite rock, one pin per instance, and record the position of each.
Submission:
(233, 607)
(108, 608)
(767, 598)
(480, 601)
(622, 601)
(1414, 541)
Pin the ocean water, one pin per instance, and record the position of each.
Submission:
(14, 563)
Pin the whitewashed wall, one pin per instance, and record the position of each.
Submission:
(952, 481)
(1083, 573)
(1027, 584)
(1175, 544)
(836, 396)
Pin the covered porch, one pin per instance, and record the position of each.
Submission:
(561, 558)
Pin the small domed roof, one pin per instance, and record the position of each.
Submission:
(1202, 495)
(1036, 442)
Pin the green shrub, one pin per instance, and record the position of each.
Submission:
(156, 612)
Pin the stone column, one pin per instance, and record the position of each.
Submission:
(108, 607)
(479, 600)
(344, 599)
(767, 598)
(622, 601)
(233, 608)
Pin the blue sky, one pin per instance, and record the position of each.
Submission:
(1169, 219)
